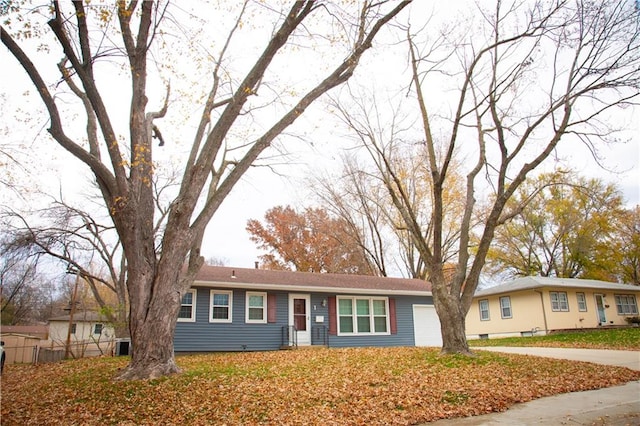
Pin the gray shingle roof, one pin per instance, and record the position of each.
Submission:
(528, 283)
(307, 281)
(81, 316)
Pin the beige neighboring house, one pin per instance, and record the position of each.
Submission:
(91, 334)
(539, 305)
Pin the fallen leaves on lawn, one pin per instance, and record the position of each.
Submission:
(364, 386)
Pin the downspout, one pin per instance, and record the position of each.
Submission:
(544, 312)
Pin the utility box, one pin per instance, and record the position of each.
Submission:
(123, 347)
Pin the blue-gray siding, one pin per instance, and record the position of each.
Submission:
(203, 336)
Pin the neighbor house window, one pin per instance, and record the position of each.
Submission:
(363, 315)
(626, 304)
(505, 307)
(582, 302)
(73, 329)
(97, 329)
(256, 307)
(559, 301)
(484, 309)
(188, 307)
(220, 306)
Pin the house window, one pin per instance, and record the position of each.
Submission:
(363, 315)
(559, 301)
(188, 307)
(256, 307)
(626, 304)
(582, 302)
(73, 328)
(505, 307)
(345, 315)
(220, 306)
(484, 309)
(97, 329)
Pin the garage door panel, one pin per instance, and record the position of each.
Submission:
(426, 326)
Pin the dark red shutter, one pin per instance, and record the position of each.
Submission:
(333, 323)
(392, 316)
(271, 307)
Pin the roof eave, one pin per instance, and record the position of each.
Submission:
(307, 288)
(541, 286)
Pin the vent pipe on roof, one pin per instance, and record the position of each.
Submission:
(233, 273)
(256, 263)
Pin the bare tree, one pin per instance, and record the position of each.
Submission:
(24, 289)
(85, 247)
(157, 277)
(353, 198)
(524, 82)
(360, 199)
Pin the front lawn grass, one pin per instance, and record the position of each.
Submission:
(372, 386)
(621, 339)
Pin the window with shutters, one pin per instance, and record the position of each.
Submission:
(362, 315)
(256, 312)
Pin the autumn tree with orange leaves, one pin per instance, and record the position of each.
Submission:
(310, 241)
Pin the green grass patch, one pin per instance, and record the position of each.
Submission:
(620, 339)
(455, 398)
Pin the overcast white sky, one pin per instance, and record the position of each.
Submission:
(261, 189)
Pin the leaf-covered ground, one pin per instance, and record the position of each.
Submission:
(627, 339)
(372, 386)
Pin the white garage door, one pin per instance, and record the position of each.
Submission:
(426, 326)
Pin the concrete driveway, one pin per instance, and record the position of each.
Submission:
(629, 359)
(614, 406)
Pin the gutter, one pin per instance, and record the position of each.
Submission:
(544, 313)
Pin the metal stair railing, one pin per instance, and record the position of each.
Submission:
(320, 335)
(289, 337)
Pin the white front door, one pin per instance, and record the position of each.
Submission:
(300, 317)
(602, 316)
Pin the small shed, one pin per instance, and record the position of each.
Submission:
(40, 331)
(20, 348)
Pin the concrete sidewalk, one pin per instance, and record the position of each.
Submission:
(614, 406)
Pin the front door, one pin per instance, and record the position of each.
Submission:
(300, 317)
(602, 317)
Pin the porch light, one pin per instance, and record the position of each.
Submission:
(324, 303)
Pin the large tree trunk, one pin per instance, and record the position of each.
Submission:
(452, 323)
(152, 328)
